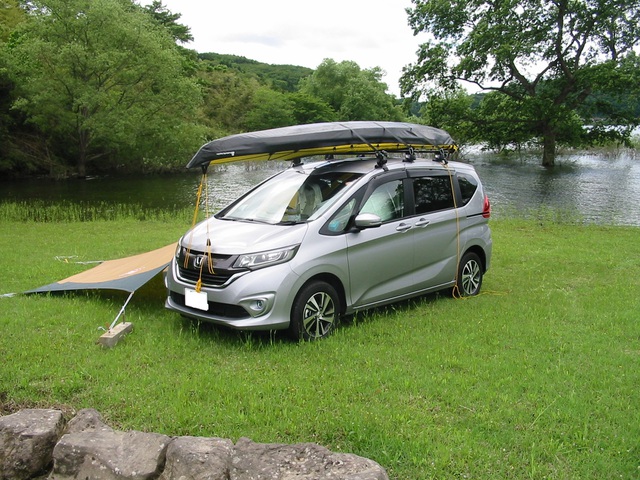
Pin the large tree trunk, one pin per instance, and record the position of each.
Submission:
(548, 147)
(82, 165)
(83, 147)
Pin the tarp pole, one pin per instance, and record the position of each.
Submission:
(121, 311)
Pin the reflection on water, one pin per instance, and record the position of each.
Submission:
(592, 188)
(225, 183)
(595, 188)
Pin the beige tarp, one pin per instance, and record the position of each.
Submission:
(126, 274)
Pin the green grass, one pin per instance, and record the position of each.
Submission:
(538, 377)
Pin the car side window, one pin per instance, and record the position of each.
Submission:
(432, 193)
(468, 186)
(340, 220)
(386, 201)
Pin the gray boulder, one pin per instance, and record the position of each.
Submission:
(103, 454)
(27, 439)
(302, 461)
(198, 458)
(87, 420)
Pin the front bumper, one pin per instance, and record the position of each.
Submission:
(258, 300)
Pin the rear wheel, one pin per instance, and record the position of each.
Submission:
(315, 312)
(470, 273)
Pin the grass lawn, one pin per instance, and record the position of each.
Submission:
(538, 377)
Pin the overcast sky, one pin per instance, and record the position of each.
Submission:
(297, 32)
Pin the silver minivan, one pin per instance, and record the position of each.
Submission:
(325, 239)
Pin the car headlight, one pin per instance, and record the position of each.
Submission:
(265, 259)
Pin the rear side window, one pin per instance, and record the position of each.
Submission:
(432, 194)
(468, 186)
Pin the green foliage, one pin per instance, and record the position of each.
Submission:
(310, 109)
(353, 93)
(270, 109)
(10, 16)
(284, 78)
(451, 111)
(100, 78)
(181, 33)
(547, 57)
(40, 211)
(227, 99)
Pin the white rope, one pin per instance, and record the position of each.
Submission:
(113, 324)
(65, 259)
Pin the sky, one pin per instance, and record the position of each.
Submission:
(372, 33)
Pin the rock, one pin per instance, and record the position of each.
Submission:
(87, 419)
(198, 458)
(27, 440)
(274, 461)
(32, 440)
(105, 455)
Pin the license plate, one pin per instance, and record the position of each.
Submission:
(195, 299)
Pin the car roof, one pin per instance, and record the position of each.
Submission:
(364, 165)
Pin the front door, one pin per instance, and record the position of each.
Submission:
(381, 258)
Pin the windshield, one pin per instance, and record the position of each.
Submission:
(291, 197)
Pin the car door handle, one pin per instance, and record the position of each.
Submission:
(403, 227)
(423, 222)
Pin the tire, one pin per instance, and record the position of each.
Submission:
(315, 311)
(470, 273)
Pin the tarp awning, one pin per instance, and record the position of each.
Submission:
(337, 138)
(126, 274)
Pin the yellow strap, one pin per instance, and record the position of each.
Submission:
(456, 290)
(203, 182)
(208, 251)
(203, 186)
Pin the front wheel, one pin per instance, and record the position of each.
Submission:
(469, 278)
(315, 312)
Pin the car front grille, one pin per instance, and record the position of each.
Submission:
(197, 267)
(212, 280)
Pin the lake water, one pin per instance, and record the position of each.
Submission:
(588, 187)
(593, 188)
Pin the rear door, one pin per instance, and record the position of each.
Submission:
(435, 228)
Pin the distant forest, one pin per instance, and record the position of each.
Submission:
(285, 78)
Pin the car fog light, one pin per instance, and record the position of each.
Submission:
(258, 305)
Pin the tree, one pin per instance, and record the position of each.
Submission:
(10, 15)
(284, 78)
(309, 109)
(270, 109)
(100, 79)
(546, 56)
(353, 93)
(162, 16)
(451, 111)
(227, 98)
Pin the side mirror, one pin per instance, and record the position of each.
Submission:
(367, 220)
